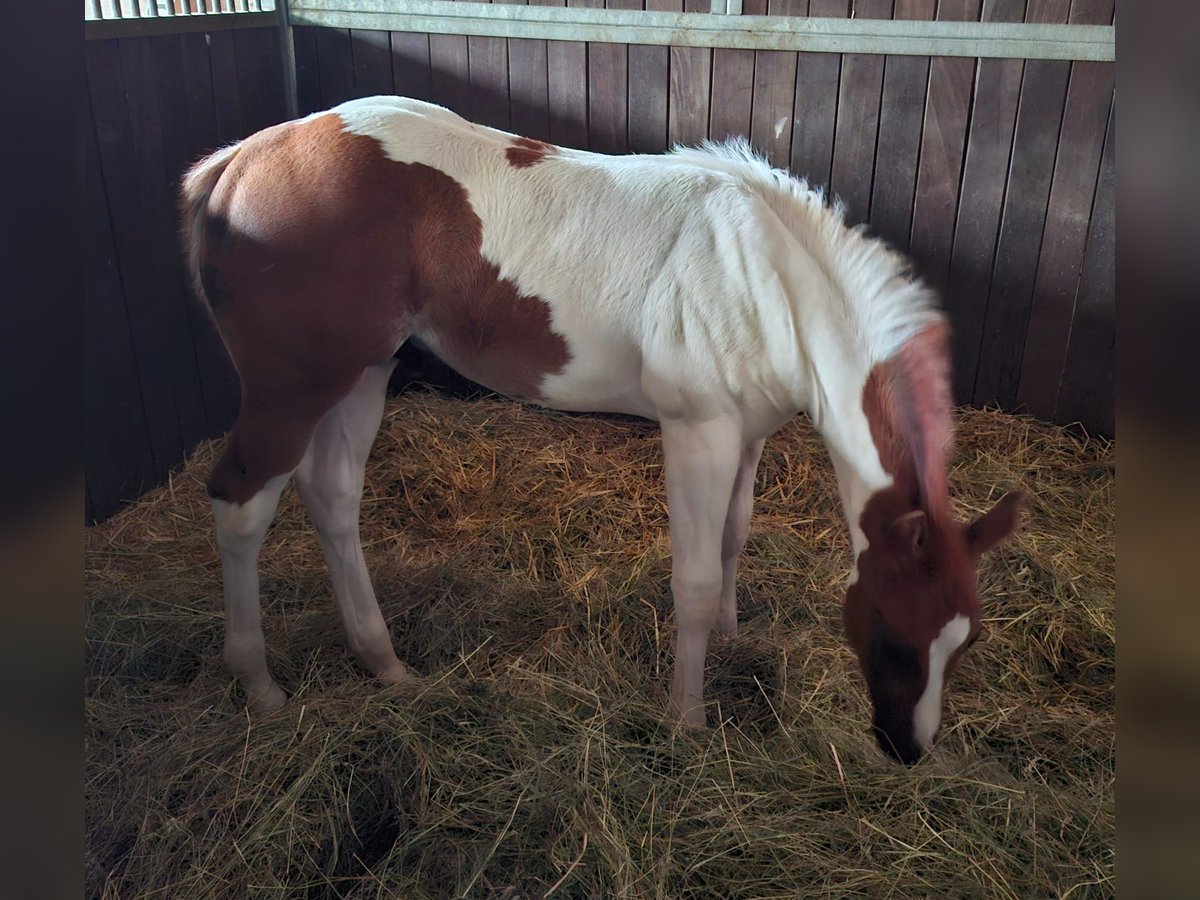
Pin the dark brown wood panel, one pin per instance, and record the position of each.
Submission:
(1087, 391)
(901, 114)
(775, 93)
(815, 115)
(985, 173)
(733, 86)
(335, 57)
(410, 65)
(488, 67)
(858, 121)
(608, 89)
(649, 85)
(1039, 117)
(691, 88)
(450, 74)
(371, 52)
(528, 85)
(1085, 118)
(939, 170)
(568, 92)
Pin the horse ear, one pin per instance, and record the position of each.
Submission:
(907, 533)
(996, 524)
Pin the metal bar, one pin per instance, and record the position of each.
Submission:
(104, 29)
(820, 35)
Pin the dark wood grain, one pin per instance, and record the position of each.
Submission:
(775, 93)
(1087, 394)
(733, 86)
(119, 458)
(411, 71)
(943, 138)
(120, 168)
(335, 58)
(488, 67)
(1085, 118)
(1035, 144)
(308, 70)
(608, 90)
(985, 174)
(691, 80)
(649, 85)
(815, 115)
(857, 126)
(371, 52)
(451, 77)
(528, 84)
(567, 93)
(901, 116)
(227, 94)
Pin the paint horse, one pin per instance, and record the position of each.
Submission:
(701, 289)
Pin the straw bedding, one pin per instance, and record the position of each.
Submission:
(522, 560)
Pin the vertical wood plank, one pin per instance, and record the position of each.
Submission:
(775, 93)
(815, 115)
(857, 125)
(566, 63)
(308, 75)
(733, 85)
(608, 89)
(691, 80)
(985, 173)
(410, 65)
(117, 451)
(488, 67)
(450, 71)
(1085, 118)
(528, 85)
(1087, 393)
(261, 76)
(335, 66)
(146, 84)
(649, 85)
(901, 115)
(943, 138)
(371, 53)
(1039, 117)
(226, 90)
(131, 231)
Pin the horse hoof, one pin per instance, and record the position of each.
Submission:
(268, 701)
(397, 674)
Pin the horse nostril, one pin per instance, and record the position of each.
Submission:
(901, 750)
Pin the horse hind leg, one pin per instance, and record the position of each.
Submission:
(263, 450)
(330, 481)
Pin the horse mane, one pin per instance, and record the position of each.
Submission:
(896, 317)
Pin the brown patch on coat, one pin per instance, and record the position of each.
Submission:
(526, 152)
(326, 255)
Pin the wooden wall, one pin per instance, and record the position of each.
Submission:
(158, 380)
(996, 175)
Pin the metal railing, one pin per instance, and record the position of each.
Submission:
(105, 10)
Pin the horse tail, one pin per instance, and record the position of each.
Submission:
(198, 185)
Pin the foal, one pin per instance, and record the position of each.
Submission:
(701, 289)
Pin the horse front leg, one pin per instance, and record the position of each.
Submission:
(701, 460)
(737, 529)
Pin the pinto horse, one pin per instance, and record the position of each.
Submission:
(700, 289)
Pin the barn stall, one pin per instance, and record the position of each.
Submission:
(521, 557)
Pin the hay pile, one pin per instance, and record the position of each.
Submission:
(522, 560)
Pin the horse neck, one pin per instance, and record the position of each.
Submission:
(888, 428)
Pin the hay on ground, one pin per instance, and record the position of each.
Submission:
(522, 560)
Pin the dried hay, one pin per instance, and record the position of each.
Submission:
(522, 560)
